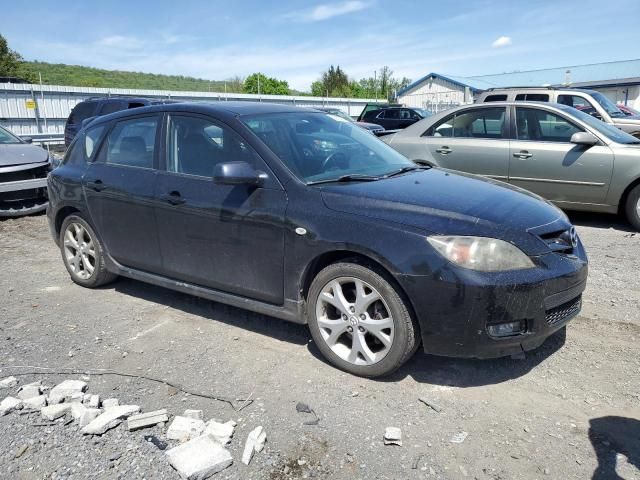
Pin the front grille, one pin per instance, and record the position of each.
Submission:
(564, 312)
(28, 174)
(9, 199)
(558, 241)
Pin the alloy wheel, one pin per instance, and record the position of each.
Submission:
(79, 251)
(355, 321)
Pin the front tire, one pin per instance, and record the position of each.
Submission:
(359, 321)
(632, 207)
(82, 253)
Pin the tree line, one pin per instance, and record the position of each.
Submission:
(334, 82)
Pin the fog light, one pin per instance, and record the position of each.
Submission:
(506, 329)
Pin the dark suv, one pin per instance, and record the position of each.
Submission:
(394, 118)
(303, 216)
(97, 106)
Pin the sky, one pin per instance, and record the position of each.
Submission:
(298, 40)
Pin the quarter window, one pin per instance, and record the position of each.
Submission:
(543, 126)
(132, 143)
(196, 145)
(91, 140)
(532, 97)
(495, 98)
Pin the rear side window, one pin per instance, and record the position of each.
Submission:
(92, 139)
(82, 111)
(532, 97)
(112, 106)
(479, 123)
(543, 126)
(131, 143)
(575, 101)
(391, 113)
(495, 98)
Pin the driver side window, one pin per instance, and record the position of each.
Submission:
(196, 145)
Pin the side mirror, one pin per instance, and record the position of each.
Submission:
(27, 139)
(237, 173)
(584, 138)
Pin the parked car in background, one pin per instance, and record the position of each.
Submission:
(298, 215)
(23, 176)
(97, 106)
(394, 118)
(558, 152)
(375, 106)
(589, 101)
(372, 127)
(628, 111)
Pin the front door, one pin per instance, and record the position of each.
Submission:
(473, 141)
(544, 160)
(119, 188)
(229, 238)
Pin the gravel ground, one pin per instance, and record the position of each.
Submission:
(566, 409)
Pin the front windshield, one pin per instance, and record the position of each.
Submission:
(341, 114)
(318, 147)
(606, 129)
(608, 105)
(423, 113)
(6, 137)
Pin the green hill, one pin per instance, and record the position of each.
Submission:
(76, 75)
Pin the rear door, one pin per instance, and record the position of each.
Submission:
(226, 237)
(119, 187)
(473, 140)
(544, 160)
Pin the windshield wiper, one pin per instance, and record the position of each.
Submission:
(407, 169)
(348, 178)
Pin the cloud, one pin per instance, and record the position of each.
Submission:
(326, 11)
(501, 42)
(120, 41)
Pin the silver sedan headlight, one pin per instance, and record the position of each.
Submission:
(481, 253)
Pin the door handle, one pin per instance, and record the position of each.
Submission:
(444, 150)
(95, 185)
(523, 154)
(174, 198)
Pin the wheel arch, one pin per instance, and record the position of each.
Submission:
(622, 204)
(63, 213)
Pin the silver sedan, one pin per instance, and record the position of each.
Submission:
(558, 152)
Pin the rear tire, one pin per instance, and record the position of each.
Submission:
(82, 253)
(359, 321)
(632, 207)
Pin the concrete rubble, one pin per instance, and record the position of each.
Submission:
(110, 402)
(35, 403)
(65, 390)
(221, 432)
(88, 416)
(10, 404)
(392, 436)
(185, 428)
(195, 414)
(255, 443)
(55, 411)
(149, 419)
(29, 391)
(199, 458)
(92, 401)
(112, 417)
(8, 382)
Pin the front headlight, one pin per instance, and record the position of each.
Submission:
(481, 253)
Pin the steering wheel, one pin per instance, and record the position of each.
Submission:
(339, 159)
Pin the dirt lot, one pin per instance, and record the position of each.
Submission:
(542, 417)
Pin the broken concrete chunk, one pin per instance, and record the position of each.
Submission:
(221, 432)
(28, 391)
(392, 436)
(149, 419)
(35, 403)
(111, 417)
(255, 443)
(199, 458)
(195, 414)
(184, 428)
(93, 401)
(64, 391)
(110, 402)
(8, 382)
(77, 410)
(88, 416)
(55, 411)
(10, 404)
(76, 397)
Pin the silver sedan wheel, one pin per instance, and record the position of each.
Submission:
(638, 208)
(354, 321)
(79, 251)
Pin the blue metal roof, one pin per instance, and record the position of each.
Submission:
(597, 73)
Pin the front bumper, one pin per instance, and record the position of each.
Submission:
(455, 306)
(23, 189)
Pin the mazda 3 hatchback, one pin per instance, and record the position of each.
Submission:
(306, 217)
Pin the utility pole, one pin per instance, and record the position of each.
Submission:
(375, 83)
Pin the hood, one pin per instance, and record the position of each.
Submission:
(442, 202)
(21, 154)
(631, 120)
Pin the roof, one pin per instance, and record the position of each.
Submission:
(591, 75)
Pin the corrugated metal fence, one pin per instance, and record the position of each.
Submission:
(34, 109)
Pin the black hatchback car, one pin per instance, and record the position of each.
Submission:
(394, 118)
(298, 215)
